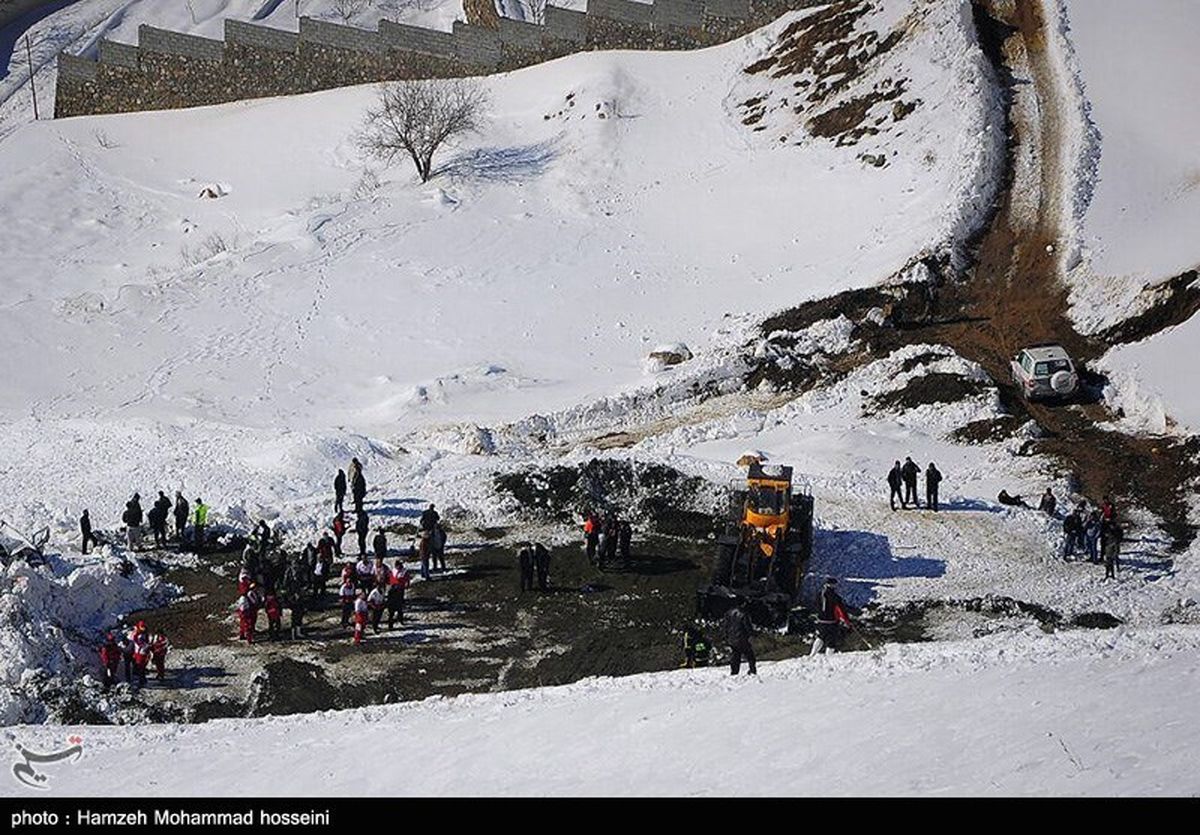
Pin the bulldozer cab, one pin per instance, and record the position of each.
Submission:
(768, 498)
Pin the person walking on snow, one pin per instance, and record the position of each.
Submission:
(933, 478)
(831, 619)
(85, 531)
(361, 610)
(894, 480)
(738, 631)
(362, 526)
(181, 515)
(339, 492)
(910, 471)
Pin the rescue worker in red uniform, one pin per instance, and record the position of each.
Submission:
(158, 654)
(360, 617)
(110, 659)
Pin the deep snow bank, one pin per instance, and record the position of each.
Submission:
(1075, 713)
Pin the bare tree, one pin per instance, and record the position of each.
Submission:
(348, 9)
(417, 117)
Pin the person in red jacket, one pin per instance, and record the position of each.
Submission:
(395, 594)
(158, 654)
(346, 597)
(274, 616)
(339, 530)
(244, 580)
(139, 642)
(360, 616)
(110, 659)
(831, 619)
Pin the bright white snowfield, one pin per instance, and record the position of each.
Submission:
(1097, 714)
(233, 301)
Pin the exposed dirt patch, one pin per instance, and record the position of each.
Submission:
(650, 494)
(934, 387)
(1176, 301)
(988, 431)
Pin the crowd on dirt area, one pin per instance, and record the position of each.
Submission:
(271, 580)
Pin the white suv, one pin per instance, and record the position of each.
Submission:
(1045, 371)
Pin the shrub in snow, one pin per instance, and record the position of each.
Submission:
(665, 356)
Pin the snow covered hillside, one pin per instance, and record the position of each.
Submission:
(243, 346)
(1085, 714)
(1139, 192)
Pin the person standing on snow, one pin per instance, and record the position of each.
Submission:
(132, 517)
(831, 619)
(1111, 535)
(591, 534)
(158, 654)
(933, 478)
(695, 647)
(376, 601)
(361, 611)
(541, 564)
(1091, 536)
(358, 489)
(625, 542)
(162, 509)
(379, 545)
(110, 660)
(362, 526)
(346, 598)
(894, 480)
(181, 515)
(198, 524)
(1048, 503)
(274, 617)
(910, 471)
(339, 530)
(139, 644)
(525, 566)
(395, 593)
(339, 492)
(85, 531)
(738, 631)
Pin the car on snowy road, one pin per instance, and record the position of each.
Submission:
(1045, 372)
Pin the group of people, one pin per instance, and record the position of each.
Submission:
(607, 538)
(833, 622)
(906, 476)
(156, 519)
(533, 560)
(135, 651)
(1093, 533)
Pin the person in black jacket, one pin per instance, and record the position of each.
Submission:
(379, 545)
(525, 564)
(133, 522)
(358, 489)
(362, 526)
(429, 519)
(541, 564)
(625, 541)
(894, 480)
(831, 618)
(85, 529)
(933, 477)
(910, 471)
(339, 492)
(181, 515)
(738, 630)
